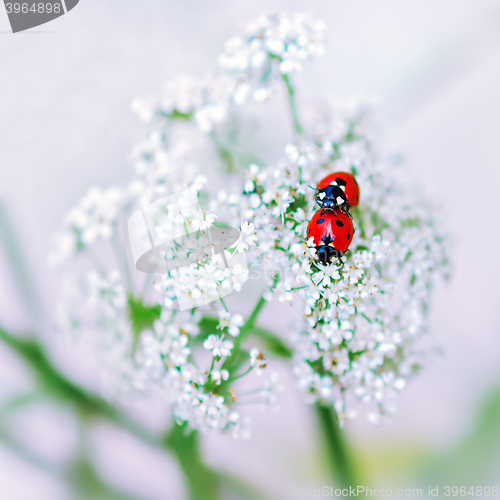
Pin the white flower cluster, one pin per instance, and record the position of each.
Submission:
(279, 43)
(364, 316)
(92, 219)
(135, 358)
(206, 101)
(359, 323)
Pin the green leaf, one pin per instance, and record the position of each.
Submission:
(272, 343)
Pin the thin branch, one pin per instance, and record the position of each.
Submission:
(293, 106)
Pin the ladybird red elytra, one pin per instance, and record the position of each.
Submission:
(338, 190)
(332, 232)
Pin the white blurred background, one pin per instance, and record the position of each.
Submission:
(66, 125)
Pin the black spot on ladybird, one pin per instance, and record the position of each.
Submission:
(355, 181)
(320, 220)
(357, 198)
(309, 232)
(340, 182)
(339, 223)
(348, 236)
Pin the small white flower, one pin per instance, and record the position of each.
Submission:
(247, 237)
(178, 351)
(368, 287)
(64, 246)
(363, 259)
(218, 346)
(202, 220)
(210, 117)
(273, 389)
(257, 360)
(232, 322)
(219, 376)
(351, 274)
(95, 214)
(329, 271)
(379, 247)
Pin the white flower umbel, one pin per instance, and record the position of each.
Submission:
(270, 45)
(92, 219)
(358, 325)
(364, 316)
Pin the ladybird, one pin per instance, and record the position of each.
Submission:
(332, 231)
(339, 189)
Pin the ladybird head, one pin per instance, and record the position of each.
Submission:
(327, 254)
(326, 203)
(331, 197)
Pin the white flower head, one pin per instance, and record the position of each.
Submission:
(202, 220)
(248, 237)
(219, 375)
(257, 361)
(232, 322)
(218, 346)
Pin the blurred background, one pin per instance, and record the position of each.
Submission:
(66, 125)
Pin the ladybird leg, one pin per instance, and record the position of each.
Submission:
(339, 255)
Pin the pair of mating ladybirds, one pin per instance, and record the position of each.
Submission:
(331, 227)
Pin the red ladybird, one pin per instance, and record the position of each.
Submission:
(332, 231)
(339, 189)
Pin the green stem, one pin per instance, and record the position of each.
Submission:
(55, 384)
(293, 107)
(236, 377)
(211, 368)
(59, 387)
(202, 482)
(231, 154)
(243, 332)
(339, 457)
(223, 304)
(366, 317)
